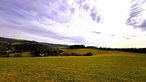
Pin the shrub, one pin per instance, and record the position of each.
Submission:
(75, 54)
(88, 54)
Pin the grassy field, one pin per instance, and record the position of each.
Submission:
(103, 66)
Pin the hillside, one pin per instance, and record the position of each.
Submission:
(11, 41)
(96, 52)
(11, 46)
(55, 45)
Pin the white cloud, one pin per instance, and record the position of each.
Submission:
(74, 22)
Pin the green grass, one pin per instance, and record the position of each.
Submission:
(23, 54)
(110, 66)
(16, 43)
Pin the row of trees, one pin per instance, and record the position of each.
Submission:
(58, 53)
(76, 46)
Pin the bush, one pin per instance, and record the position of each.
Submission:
(74, 54)
(4, 54)
(88, 54)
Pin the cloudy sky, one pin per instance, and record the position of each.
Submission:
(102, 23)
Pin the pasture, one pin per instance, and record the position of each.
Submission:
(103, 66)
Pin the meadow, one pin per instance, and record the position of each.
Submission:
(103, 66)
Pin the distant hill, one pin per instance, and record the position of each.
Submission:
(11, 41)
(55, 45)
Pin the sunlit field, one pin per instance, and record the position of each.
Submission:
(111, 66)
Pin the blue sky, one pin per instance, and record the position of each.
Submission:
(103, 23)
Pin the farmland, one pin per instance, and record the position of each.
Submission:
(103, 66)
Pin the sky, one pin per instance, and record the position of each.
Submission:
(101, 23)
